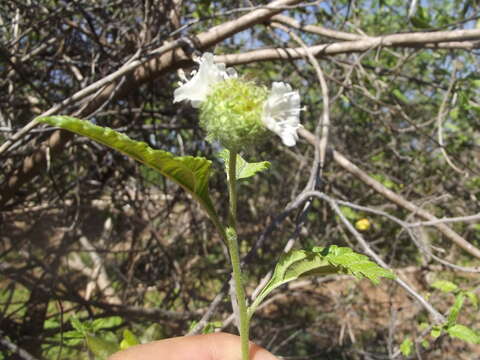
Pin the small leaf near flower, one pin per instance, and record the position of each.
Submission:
(244, 169)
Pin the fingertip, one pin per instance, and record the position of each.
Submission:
(228, 347)
(259, 353)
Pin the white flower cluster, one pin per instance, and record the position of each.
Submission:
(281, 110)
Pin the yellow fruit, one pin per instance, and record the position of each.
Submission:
(363, 224)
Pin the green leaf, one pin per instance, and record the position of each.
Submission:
(355, 264)
(464, 333)
(77, 324)
(406, 347)
(101, 348)
(473, 298)
(153, 332)
(421, 20)
(211, 327)
(445, 286)
(423, 325)
(191, 173)
(455, 310)
(454, 113)
(51, 323)
(129, 339)
(385, 181)
(244, 169)
(73, 337)
(436, 331)
(320, 261)
(106, 323)
(73, 334)
(399, 95)
(349, 213)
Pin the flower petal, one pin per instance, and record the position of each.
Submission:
(199, 86)
(281, 112)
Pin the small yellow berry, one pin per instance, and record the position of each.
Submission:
(363, 224)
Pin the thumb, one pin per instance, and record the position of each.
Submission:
(217, 346)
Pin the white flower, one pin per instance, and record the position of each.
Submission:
(199, 86)
(255, 111)
(281, 112)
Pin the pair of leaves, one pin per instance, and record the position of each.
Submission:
(101, 346)
(458, 331)
(451, 327)
(320, 261)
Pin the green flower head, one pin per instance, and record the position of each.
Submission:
(232, 114)
(238, 113)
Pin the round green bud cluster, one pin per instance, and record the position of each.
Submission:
(232, 114)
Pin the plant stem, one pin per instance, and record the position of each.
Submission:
(232, 190)
(232, 244)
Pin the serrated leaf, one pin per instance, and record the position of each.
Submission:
(191, 173)
(455, 310)
(243, 169)
(129, 339)
(101, 348)
(355, 264)
(445, 286)
(296, 261)
(473, 298)
(320, 261)
(406, 347)
(464, 333)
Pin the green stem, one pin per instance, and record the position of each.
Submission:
(232, 190)
(232, 244)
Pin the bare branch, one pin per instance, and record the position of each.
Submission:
(435, 40)
(319, 30)
(395, 198)
(15, 348)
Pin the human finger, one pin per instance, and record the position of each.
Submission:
(217, 346)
